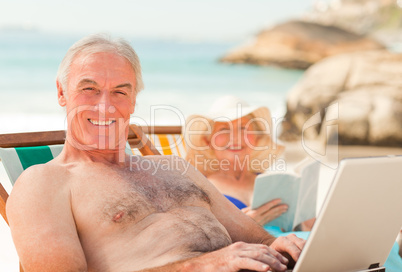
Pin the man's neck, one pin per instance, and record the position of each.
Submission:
(84, 153)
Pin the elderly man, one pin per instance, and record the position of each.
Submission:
(93, 208)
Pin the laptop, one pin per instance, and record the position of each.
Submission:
(359, 220)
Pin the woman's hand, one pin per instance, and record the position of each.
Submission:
(267, 212)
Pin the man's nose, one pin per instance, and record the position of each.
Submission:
(103, 104)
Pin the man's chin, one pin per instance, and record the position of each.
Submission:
(100, 144)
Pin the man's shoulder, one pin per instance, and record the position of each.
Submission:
(39, 175)
(37, 183)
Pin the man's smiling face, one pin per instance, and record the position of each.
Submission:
(100, 98)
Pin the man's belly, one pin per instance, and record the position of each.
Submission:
(157, 239)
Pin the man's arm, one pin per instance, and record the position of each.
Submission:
(240, 226)
(42, 224)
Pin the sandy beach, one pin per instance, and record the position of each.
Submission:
(293, 154)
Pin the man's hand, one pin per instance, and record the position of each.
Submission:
(240, 256)
(290, 246)
(267, 212)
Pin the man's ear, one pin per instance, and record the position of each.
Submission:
(60, 94)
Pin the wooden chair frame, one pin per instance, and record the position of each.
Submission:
(136, 139)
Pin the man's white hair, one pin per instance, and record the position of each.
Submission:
(100, 43)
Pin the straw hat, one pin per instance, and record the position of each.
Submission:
(227, 109)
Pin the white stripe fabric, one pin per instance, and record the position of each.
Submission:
(11, 163)
(56, 149)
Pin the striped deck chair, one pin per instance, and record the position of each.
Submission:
(167, 140)
(19, 151)
(16, 160)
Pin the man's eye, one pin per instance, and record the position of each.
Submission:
(89, 89)
(121, 92)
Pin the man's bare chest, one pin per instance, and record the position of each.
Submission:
(123, 196)
(131, 211)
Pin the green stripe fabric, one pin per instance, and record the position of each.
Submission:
(33, 155)
(16, 160)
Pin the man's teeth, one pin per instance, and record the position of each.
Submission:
(101, 123)
(235, 147)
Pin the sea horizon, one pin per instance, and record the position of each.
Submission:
(181, 78)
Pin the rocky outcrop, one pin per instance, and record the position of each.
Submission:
(381, 19)
(298, 45)
(355, 98)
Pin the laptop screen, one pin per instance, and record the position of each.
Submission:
(360, 218)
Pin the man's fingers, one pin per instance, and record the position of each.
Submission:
(290, 244)
(278, 256)
(298, 241)
(260, 257)
(263, 264)
(268, 255)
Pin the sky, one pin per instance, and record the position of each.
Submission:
(173, 19)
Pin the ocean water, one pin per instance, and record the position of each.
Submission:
(181, 78)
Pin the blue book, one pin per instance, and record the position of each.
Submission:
(296, 188)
